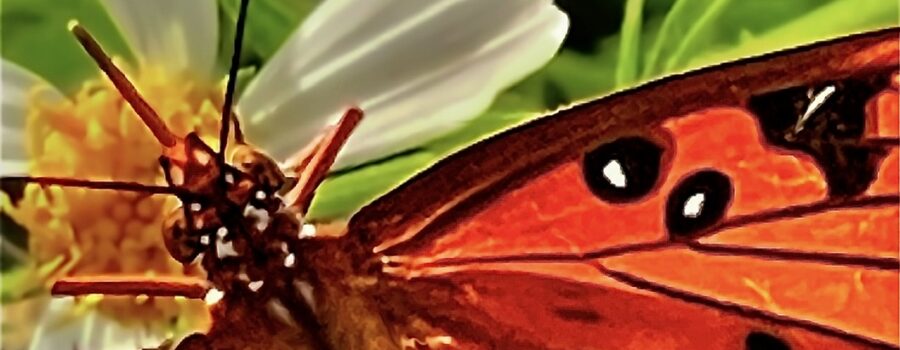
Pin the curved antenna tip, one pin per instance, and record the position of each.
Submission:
(72, 24)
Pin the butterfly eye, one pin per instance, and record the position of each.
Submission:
(698, 202)
(624, 170)
(761, 340)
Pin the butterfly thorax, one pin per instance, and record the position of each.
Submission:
(346, 289)
(235, 222)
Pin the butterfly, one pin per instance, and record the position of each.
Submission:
(750, 205)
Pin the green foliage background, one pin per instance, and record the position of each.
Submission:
(611, 45)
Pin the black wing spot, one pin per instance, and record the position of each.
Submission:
(827, 121)
(697, 202)
(624, 170)
(764, 341)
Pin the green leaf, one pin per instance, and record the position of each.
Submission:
(677, 22)
(693, 28)
(630, 44)
(827, 21)
(696, 34)
(583, 76)
(343, 194)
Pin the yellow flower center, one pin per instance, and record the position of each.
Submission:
(97, 136)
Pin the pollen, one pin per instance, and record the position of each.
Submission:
(95, 135)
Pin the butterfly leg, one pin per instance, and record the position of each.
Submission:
(315, 169)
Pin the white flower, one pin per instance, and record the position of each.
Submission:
(418, 69)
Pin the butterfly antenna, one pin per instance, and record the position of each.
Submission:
(99, 185)
(227, 114)
(156, 286)
(125, 87)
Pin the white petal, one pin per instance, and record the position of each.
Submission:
(61, 328)
(13, 167)
(178, 35)
(418, 69)
(115, 336)
(16, 85)
(55, 330)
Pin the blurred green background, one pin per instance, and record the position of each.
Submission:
(612, 44)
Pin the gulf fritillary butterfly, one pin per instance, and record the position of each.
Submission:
(751, 205)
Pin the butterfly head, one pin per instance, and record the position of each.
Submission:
(261, 167)
(231, 205)
(240, 216)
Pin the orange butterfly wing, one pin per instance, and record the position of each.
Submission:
(498, 309)
(828, 298)
(514, 250)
